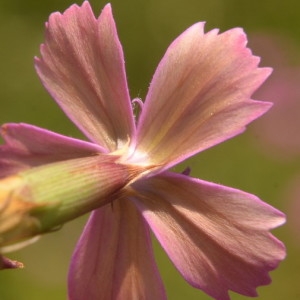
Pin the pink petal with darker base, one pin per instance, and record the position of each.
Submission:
(113, 258)
(82, 67)
(199, 95)
(217, 237)
(30, 146)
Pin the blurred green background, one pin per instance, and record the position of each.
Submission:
(252, 162)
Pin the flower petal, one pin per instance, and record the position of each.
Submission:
(114, 259)
(28, 146)
(199, 95)
(217, 237)
(82, 67)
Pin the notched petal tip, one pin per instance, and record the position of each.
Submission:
(82, 67)
(74, 7)
(205, 101)
(107, 9)
(197, 27)
(218, 237)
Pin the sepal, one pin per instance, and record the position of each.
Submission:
(42, 199)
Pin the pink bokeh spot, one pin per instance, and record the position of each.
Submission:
(278, 131)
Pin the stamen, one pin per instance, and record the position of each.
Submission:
(137, 102)
(137, 106)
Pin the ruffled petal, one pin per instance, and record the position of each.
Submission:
(217, 237)
(199, 95)
(28, 146)
(82, 67)
(113, 258)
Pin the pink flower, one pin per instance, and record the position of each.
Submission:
(217, 237)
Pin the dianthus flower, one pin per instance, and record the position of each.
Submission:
(217, 237)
